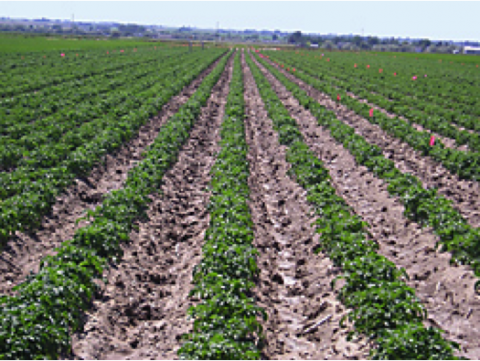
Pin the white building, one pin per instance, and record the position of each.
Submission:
(471, 50)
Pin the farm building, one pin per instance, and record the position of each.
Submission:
(471, 50)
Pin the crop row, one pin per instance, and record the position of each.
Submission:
(423, 206)
(24, 211)
(458, 86)
(45, 73)
(390, 92)
(25, 107)
(39, 321)
(434, 117)
(33, 144)
(225, 325)
(465, 164)
(383, 306)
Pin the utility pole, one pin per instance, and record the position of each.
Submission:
(217, 34)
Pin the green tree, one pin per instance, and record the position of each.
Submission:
(295, 38)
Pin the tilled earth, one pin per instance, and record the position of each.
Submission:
(465, 194)
(294, 286)
(142, 313)
(447, 291)
(22, 254)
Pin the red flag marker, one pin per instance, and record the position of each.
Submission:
(108, 52)
(294, 69)
(432, 140)
(121, 51)
(414, 77)
(282, 66)
(288, 69)
(338, 97)
(380, 70)
(62, 55)
(328, 59)
(354, 65)
(368, 66)
(371, 112)
(394, 74)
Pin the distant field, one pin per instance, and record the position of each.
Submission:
(13, 43)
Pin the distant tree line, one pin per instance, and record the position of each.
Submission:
(330, 42)
(357, 42)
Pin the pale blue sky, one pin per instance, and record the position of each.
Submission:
(449, 20)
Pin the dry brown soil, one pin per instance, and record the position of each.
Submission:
(446, 291)
(294, 285)
(142, 312)
(22, 254)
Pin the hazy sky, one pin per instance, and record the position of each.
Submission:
(440, 20)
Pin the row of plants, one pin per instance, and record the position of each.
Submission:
(50, 139)
(24, 211)
(225, 320)
(41, 73)
(13, 63)
(465, 164)
(424, 206)
(444, 84)
(382, 88)
(26, 107)
(419, 108)
(382, 306)
(38, 322)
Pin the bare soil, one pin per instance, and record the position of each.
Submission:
(142, 313)
(446, 290)
(464, 194)
(294, 284)
(22, 254)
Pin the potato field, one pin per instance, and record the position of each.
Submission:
(168, 202)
